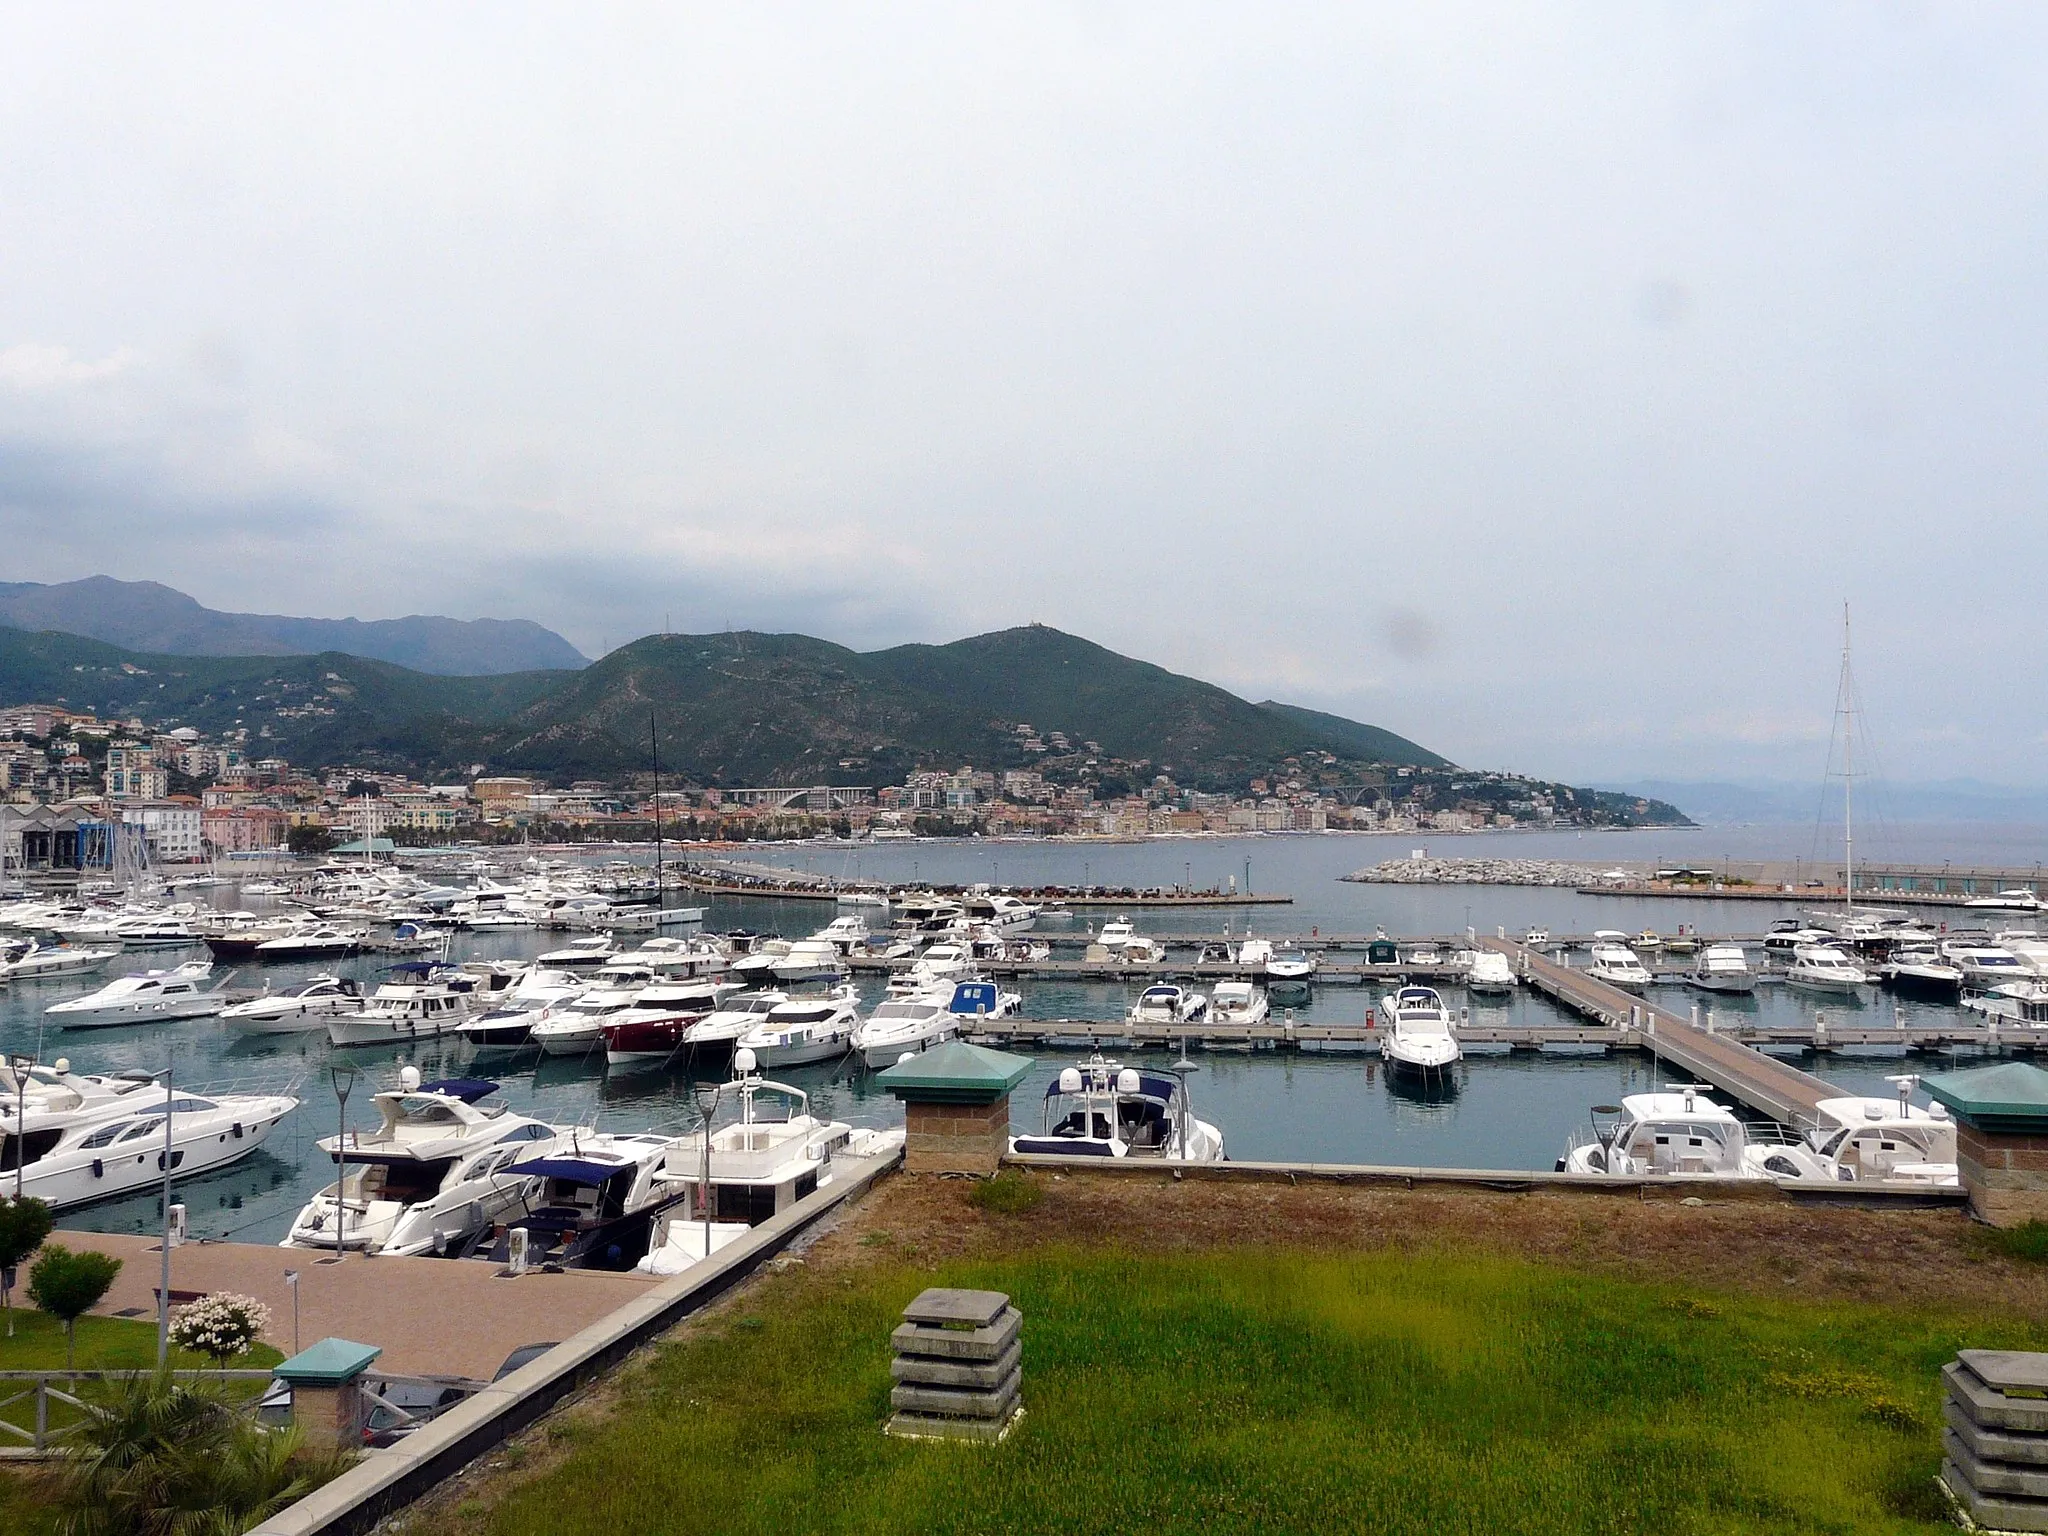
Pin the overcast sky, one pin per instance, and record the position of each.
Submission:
(1535, 381)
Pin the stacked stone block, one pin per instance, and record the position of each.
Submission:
(959, 1366)
(1996, 1440)
(956, 1138)
(2006, 1174)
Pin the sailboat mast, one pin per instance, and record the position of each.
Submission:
(1848, 777)
(660, 890)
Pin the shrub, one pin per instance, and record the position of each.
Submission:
(67, 1285)
(220, 1326)
(2027, 1242)
(24, 1223)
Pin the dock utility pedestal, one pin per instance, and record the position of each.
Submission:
(958, 1367)
(1995, 1445)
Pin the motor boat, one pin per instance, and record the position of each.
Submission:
(1140, 950)
(1238, 1003)
(804, 1030)
(1426, 956)
(877, 899)
(1488, 974)
(1255, 955)
(973, 998)
(652, 1032)
(1115, 934)
(420, 1000)
(302, 1006)
(576, 1028)
(751, 1169)
(1922, 972)
(1289, 963)
(433, 1177)
(136, 930)
(717, 1034)
(1983, 962)
(1417, 1034)
(597, 1203)
(757, 966)
(321, 942)
(1007, 915)
(78, 1137)
(845, 933)
(1166, 1003)
(2020, 1002)
(27, 961)
(810, 960)
(926, 914)
(1823, 968)
(145, 997)
(667, 955)
(1618, 966)
(2028, 944)
(1721, 968)
(1893, 1141)
(1536, 938)
(238, 934)
(2016, 900)
(580, 954)
(1681, 1133)
(1104, 1109)
(942, 964)
(509, 1023)
(1785, 938)
(1216, 954)
(903, 1026)
(1649, 941)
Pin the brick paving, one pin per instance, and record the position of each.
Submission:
(457, 1317)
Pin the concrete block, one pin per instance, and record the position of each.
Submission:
(2008, 1480)
(955, 1403)
(1995, 1444)
(1989, 1408)
(924, 1371)
(959, 1343)
(2000, 1514)
(912, 1426)
(948, 1306)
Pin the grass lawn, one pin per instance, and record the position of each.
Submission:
(1292, 1384)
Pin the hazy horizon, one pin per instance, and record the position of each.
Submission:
(1534, 383)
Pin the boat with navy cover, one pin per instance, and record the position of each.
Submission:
(1105, 1109)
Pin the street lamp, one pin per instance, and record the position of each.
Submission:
(344, 1077)
(21, 1065)
(291, 1278)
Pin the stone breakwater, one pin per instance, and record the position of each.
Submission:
(1475, 872)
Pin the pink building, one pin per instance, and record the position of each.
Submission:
(247, 829)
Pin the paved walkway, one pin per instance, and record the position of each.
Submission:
(452, 1317)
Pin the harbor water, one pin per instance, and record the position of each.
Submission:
(1503, 1110)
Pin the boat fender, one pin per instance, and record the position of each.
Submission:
(238, 1130)
(99, 1169)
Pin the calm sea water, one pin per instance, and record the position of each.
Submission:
(1506, 1111)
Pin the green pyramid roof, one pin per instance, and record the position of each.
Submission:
(956, 1073)
(328, 1363)
(2007, 1096)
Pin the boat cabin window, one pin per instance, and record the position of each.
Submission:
(17, 1153)
(142, 1128)
(105, 1135)
(423, 1110)
(192, 1106)
(404, 1181)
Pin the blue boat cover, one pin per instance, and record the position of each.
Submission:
(571, 1170)
(972, 997)
(467, 1089)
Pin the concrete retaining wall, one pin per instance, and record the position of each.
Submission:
(388, 1480)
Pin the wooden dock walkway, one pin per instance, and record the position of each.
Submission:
(1763, 1082)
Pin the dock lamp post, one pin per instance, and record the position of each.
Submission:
(291, 1278)
(21, 1065)
(344, 1076)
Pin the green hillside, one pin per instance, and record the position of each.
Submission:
(731, 709)
(1347, 738)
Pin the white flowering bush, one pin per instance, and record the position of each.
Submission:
(222, 1325)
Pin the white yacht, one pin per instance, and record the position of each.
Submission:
(667, 955)
(810, 960)
(1255, 955)
(1104, 1109)
(422, 999)
(1923, 972)
(926, 914)
(2021, 1002)
(1536, 938)
(1823, 968)
(576, 1028)
(655, 1030)
(2016, 900)
(717, 1034)
(1425, 955)
(591, 950)
(760, 1164)
(302, 1006)
(757, 967)
(1288, 963)
(1617, 965)
(2028, 945)
(940, 965)
(321, 942)
(81, 1137)
(1721, 968)
(145, 997)
(973, 998)
(1682, 1133)
(1886, 1140)
(1115, 934)
(39, 957)
(1238, 1002)
(1488, 974)
(1007, 915)
(1417, 1035)
(1166, 1003)
(599, 1199)
(845, 933)
(508, 1024)
(1140, 950)
(902, 1026)
(1983, 962)
(804, 1030)
(433, 1176)
(1788, 937)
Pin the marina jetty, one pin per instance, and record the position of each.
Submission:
(1419, 870)
(759, 880)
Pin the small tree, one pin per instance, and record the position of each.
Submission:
(24, 1223)
(222, 1326)
(67, 1285)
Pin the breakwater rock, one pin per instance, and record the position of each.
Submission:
(1475, 872)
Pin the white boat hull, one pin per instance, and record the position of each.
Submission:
(199, 1143)
(203, 1006)
(371, 1030)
